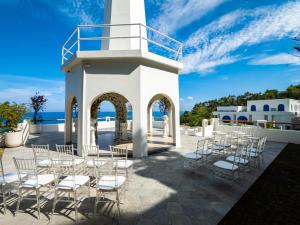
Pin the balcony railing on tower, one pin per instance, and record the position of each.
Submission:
(98, 37)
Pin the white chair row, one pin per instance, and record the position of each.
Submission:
(66, 175)
(237, 153)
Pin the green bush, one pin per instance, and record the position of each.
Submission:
(11, 114)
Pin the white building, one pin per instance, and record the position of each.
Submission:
(278, 110)
(115, 62)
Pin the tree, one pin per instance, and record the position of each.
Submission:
(164, 105)
(11, 114)
(38, 103)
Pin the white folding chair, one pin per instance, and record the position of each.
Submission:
(90, 153)
(8, 183)
(68, 181)
(67, 152)
(109, 180)
(120, 157)
(228, 170)
(42, 156)
(32, 182)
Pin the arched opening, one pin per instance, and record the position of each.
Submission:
(161, 123)
(266, 108)
(226, 119)
(74, 120)
(71, 121)
(111, 120)
(253, 108)
(242, 119)
(281, 107)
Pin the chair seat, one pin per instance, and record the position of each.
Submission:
(237, 159)
(217, 147)
(123, 164)
(110, 182)
(73, 182)
(225, 165)
(44, 163)
(204, 151)
(11, 178)
(250, 153)
(192, 155)
(40, 180)
(92, 163)
(76, 161)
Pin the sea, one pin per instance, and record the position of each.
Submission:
(59, 117)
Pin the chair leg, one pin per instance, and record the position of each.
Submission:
(96, 201)
(19, 201)
(118, 203)
(54, 203)
(38, 202)
(4, 201)
(76, 206)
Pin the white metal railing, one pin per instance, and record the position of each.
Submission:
(156, 41)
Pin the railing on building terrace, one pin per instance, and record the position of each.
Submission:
(90, 38)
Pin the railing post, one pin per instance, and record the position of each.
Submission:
(62, 55)
(140, 30)
(78, 39)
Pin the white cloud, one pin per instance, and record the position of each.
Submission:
(83, 12)
(181, 99)
(295, 81)
(213, 45)
(224, 78)
(20, 88)
(177, 14)
(190, 98)
(278, 59)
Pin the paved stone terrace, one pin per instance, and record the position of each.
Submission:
(160, 192)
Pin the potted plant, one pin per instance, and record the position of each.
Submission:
(38, 103)
(11, 115)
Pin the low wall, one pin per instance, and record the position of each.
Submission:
(101, 125)
(285, 136)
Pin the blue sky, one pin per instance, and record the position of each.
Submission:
(231, 46)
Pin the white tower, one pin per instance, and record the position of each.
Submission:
(122, 70)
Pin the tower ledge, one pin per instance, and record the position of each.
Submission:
(137, 55)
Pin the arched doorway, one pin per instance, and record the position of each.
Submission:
(160, 123)
(110, 127)
(71, 121)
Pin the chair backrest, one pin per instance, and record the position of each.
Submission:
(41, 151)
(263, 144)
(201, 144)
(118, 152)
(2, 172)
(90, 151)
(109, 169)
(26, 166)
(65, 151)
(64, 169)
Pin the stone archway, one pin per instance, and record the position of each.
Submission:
(155, 126)
(71, 119)
(120, 104)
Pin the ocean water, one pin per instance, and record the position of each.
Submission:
(58, 117)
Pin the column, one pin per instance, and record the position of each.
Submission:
(140, 148)
(68, 124)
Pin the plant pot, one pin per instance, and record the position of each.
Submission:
(35, 128)
(14, 139)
